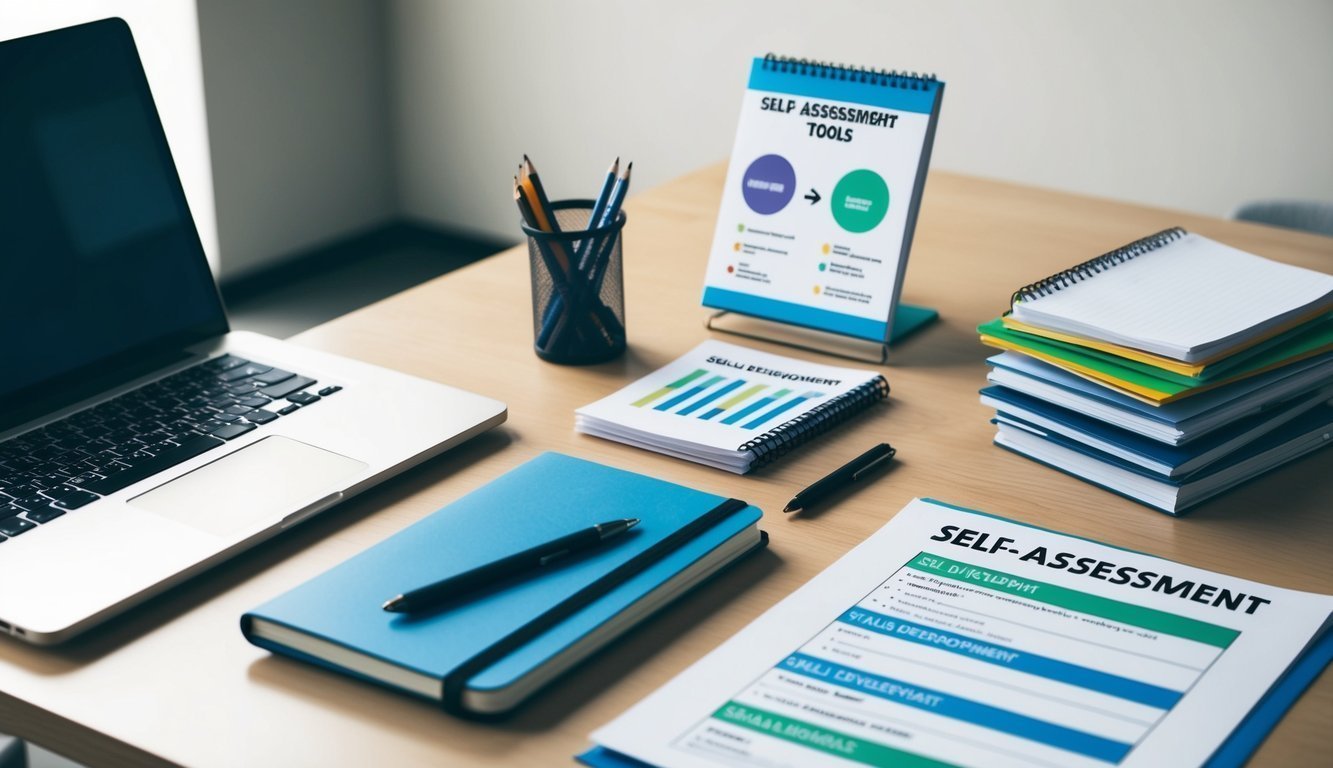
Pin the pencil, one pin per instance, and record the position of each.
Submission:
(605, 195)
(539, 218)
(599, 263)
(618, 193)
(530, 172)
(555, 328)
(524, 209)
(598, 208)
(542, 215)
(530, 216)
(585, 293)
(560, 327)
(561, 288)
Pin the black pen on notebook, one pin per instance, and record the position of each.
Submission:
(454, 587)
(854, 470)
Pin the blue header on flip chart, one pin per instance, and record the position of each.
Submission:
(772, 78)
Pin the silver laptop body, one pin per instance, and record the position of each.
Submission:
(109, 290)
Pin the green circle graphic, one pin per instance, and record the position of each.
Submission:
(860, 201)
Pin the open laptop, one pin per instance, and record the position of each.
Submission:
(140, 441)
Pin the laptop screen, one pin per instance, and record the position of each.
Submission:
(100, 264)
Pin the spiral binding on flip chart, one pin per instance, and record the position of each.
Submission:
(778, 441)
(1080, 272)
(886, 77)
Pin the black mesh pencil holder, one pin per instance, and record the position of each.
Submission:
(578, 289)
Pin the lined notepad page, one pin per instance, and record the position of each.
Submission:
(1192, 299)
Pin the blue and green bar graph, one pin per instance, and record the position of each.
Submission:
(748, 407)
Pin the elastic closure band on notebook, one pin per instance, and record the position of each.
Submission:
(1080, 272)
(454, 684)
(885, 77)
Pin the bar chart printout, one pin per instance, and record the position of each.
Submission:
(749, 407)
(717, 398)
(965, 639)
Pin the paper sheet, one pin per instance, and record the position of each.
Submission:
(955, 638)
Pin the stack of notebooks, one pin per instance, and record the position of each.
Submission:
(1168, 370)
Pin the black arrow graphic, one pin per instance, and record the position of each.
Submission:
(813, 197)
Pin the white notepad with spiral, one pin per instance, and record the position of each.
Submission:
(1176, 294)
(731, 407)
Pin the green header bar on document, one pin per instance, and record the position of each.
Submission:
(1074, 600)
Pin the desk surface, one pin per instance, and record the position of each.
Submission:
(174, 681)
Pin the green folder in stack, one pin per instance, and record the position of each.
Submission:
(1155, 385)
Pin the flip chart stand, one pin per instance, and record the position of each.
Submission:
(907, 319)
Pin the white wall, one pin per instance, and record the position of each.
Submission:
(331, 116)
(299, 115)
(1193, 104)
(167, 37)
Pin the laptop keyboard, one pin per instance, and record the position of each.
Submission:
(72, 462)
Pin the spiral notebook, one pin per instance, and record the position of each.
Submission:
(731, 407)
(1175, 294)
(822, 195)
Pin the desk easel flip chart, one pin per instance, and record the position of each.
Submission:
(821, 201)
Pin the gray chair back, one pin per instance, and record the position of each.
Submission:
(1305, 215)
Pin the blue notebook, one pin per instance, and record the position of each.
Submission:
(486, 655)
(1302, 435)
(1160, 458)
(1186, 419)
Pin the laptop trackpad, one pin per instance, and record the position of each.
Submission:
(261, 483)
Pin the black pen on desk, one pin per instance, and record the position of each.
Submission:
(454, 587)
(854, 470)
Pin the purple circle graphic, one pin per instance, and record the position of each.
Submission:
(768, 184)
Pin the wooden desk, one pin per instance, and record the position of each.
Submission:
(174, 681)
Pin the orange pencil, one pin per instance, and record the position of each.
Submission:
(545, 221)
(542, 200)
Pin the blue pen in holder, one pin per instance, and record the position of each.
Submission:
(578, 290)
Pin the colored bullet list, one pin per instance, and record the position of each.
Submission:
(816, 290)
(736, 247)
(822, 266)
(740, 227)
(731, 268)
(826, 249)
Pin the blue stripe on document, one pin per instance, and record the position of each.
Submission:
(966, 710)
(1021, 661)
(687, 394)
(710, 397)
(787, 406)
(749, 409)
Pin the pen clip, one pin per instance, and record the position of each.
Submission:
(879, 460)
(552, 557)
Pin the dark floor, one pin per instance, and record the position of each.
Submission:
(320, 285)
